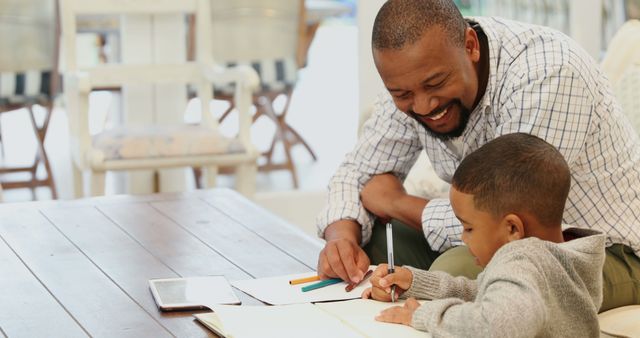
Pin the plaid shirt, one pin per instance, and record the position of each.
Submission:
(542, 83)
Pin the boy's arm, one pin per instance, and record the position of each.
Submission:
(512, 305)
(438, 285)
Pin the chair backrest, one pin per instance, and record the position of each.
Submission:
(623, 50)
(27, 29)
(119, 74)
(28, 50)
(265, 34)
(627, 91)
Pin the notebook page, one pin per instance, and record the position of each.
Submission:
(359, 314)
(299, 320)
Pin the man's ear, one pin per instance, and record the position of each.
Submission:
(472, 44)
(514, 227)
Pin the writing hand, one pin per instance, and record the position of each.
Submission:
(381, 282)
(399, 314)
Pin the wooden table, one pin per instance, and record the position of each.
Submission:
(81, 268)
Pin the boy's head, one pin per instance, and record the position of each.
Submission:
(512, 187)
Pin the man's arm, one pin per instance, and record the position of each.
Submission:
(389, 143)
(342, 256)
(385, 197)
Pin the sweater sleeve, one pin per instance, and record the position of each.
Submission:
(510, 304)
(437, 285)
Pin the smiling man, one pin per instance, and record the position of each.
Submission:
(453, 84)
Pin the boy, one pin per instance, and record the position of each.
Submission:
(538, 280)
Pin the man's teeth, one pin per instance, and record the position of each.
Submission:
(439, 116)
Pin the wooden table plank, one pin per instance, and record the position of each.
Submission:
(85, 264)
(35, 313)
(80, 286)
(286, 236)
(87, 228)
(182, 252)
(231, 239)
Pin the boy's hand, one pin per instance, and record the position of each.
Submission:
(399, 314)
(381, 282)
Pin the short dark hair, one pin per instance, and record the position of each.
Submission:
(516, 173)
(402, 22)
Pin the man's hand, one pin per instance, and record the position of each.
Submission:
(399, 314)
(385, 197)
(380, 193)
(342, 256)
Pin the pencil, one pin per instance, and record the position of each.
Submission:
(304, 280)
(321, 284)
(352, 286)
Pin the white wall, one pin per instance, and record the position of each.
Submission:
(369, 82)
(585, 25)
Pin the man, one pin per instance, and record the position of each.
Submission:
(454, 85)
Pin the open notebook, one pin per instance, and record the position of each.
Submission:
(352, 318)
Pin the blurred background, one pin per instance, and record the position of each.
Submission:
(313, 121)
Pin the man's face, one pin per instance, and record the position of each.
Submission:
(433, 80)
(482, 232)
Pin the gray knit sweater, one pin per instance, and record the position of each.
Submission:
(530, 288)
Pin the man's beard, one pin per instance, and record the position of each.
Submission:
(464, 120)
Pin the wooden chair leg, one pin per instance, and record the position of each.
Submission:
(289, 163)
(246, 179)
(227, 112)
(269, 153)
(42, 157)
(1, 142)
(97, 183)
(197, 176)
(266, 106)
(298, 139)
(78, 181)
(211, 175)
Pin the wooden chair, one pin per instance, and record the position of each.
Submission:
(267, 35)
(152, 146)
(622, 66)
(29, 76)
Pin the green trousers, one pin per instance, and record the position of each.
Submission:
(621, 272)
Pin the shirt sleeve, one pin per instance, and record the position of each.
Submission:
(551, 102)
(511, 305)
(389, 143)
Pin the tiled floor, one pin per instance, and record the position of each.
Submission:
(324, 110)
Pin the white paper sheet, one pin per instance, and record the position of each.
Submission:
(359, 314)
(353, 318)
(278, 291)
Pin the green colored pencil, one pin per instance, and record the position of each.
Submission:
(321, 284)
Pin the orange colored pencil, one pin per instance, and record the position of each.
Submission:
(304, 280)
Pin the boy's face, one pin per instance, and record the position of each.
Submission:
(483, 233)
